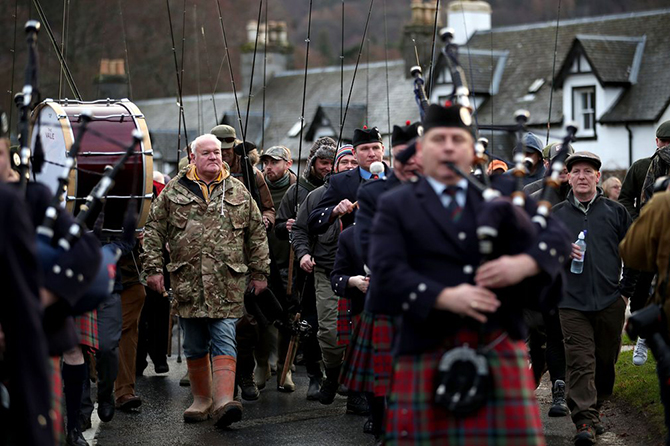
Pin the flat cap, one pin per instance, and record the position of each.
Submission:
(583, 156)
(663, 130)
(277, 153)
(553, 149)
(225, 134)
(366, 136)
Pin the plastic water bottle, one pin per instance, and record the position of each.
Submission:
(577, 266)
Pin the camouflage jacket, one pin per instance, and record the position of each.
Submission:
(213, 247)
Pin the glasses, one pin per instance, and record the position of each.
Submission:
(228, 139)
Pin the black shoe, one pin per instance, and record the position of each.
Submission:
(599, 427)
(161, 368)
(314, 388)
(357, 404)
(106, 408)
(369, 427)
(585, 435)
(84, 422)
(250, 391)
(75, 438)
(559, 407)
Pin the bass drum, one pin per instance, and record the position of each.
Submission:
(109, 133)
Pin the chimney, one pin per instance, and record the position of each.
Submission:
(418, 36)
(278, 52)
(112, 80)
(466, 17)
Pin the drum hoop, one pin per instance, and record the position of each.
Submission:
(148, 159)
(68, 135)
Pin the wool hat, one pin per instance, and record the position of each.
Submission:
(366, 136)
(451, 116)
(343, 151)
(404, 134)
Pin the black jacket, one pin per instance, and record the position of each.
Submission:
(631, 189)
(347, 264)
(416, 252)
(288, 204)
(342, 185)
(606, 223)
(323, 246)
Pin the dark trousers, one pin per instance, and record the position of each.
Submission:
(132, 300)
(110, 321)
(642, 291)
(592, 343)
(555, 351)
(247, 336)
(153, 330)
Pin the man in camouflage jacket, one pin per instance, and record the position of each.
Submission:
(216, 238)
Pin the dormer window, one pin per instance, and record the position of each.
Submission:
(584, 109)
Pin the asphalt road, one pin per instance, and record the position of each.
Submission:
(289, 419)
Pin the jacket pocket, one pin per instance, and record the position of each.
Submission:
(180, 280)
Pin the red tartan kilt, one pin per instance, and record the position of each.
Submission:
(88, 329)
(369, 366)
(344, 321)
(56, 412)
(510, 417)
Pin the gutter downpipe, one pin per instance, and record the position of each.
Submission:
(630, 145)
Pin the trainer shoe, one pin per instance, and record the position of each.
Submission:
(585, 435)
(640, 352)
(559, 407)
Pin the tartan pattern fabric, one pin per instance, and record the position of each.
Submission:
(56, 412)
(369, 365)
(511, 417)
(88, 329)
(344, 321)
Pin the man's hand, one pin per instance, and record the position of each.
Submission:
(266, 222)
(344, 207)
(576, 252)
(307, 263)
(360, 282)
(156, 283)
(47, 298)
(468, 300)
(258, 286)
(506, 271)
(289, 224)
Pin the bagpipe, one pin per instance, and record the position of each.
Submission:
(57, 247)
(506, 225)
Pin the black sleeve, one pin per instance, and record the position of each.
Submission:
(301, 240)
(630, 190)
(286, 210)
(320, 217)
(366, 211)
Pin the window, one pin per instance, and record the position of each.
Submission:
(584, 108)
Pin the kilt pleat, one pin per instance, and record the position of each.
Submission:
(88, 329)
(344, 321)
(369, 365)
(511, 416)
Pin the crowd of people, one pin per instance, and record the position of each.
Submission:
(425, 299)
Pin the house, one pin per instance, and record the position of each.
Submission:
(612, 76)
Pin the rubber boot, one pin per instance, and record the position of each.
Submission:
(225, 410)
(289, 385)
(200, 375)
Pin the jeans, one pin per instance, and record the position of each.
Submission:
(202, 333)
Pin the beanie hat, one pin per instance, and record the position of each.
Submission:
(342, 152)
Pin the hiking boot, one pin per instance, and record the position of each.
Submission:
(314, 387)
(585, 435)
(559, 407)
(640, 352)
(357, 404)
(249, 389)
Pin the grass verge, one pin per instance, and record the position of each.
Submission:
(637, 387)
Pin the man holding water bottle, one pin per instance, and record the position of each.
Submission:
(593, 307)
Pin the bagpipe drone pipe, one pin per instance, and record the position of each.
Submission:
(507, 223)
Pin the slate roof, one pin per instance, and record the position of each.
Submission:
(328, 115)
(531, 49)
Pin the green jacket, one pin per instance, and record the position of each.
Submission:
(212, 250)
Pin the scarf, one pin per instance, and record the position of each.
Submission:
(660, 165)
(280, 183)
